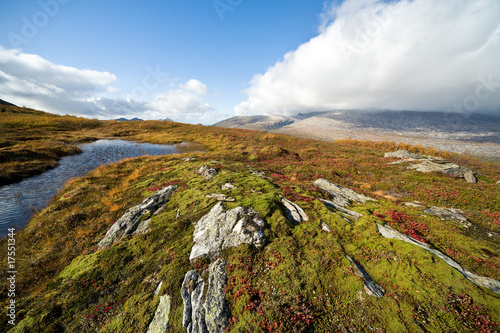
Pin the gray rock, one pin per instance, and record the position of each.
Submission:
(130, 221)
(257, 173)
(337, 208)
(188, 285)
(449, 214)
(189, 159)
(220, 197)
(160, 322)
(325, 227)
(216, 309)
(209, 313)
(293, 212)
(143, 228)
(482, 281)
(369, 287)
(207, 172)
(402, 154)
(470, 177)
(157, 290)
(342, 196)
(411, 204)
(228, 186)
(219, 230)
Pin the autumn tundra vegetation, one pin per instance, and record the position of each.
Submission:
(308, 276)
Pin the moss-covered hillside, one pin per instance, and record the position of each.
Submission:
(301, 280)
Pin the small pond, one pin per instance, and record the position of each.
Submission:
(20, 200)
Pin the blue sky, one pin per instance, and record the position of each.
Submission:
(202, 61)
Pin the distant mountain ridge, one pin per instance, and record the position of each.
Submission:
(459, 132)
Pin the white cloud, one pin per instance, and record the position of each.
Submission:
(420, 54)
(28, 79)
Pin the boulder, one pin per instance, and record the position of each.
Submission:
(370, 288)
(293, 212)
(219, 230)
(482, 281)
(207, 172)
(470, 177)
(342, 196)
(136, 218)
(209, 313)
(160, 322)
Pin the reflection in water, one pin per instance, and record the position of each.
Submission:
(19, 201)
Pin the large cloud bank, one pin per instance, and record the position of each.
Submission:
(420, 55)
(28, 79)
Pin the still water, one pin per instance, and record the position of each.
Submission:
(18, 201)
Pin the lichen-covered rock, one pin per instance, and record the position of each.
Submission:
(133, 217)
(342, 196)
(369, 287)
(210, 313)
(220, 197)
(403, 154)
(216, 309)
(335, 207)
(207, 172)
(449, 214)
(293, 212)
(482, 281)
(160, 322)
(219, 230)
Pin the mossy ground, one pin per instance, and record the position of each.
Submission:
(300, 281)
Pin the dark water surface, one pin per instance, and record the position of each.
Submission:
(18, 201)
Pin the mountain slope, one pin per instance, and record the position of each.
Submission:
(332, 270)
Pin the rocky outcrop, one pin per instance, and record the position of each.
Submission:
(136, 218)
(482, 281)
(370, 288)
(293, 212)
(220, 197)
(449, 214)
(433, 164)
(341, 196)
(219, 230)
(402, 154)
(160, 322)
(207, 172)
(336, 208)
(209, 315)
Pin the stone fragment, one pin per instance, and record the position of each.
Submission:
(220, 197)
(207, 172)
(219, 230)
(482, 281)
(157, 290)
(131, 220)
(369, 287)
(470, 177)
(336, 208)
(325, 227)
(411, 204)
(189, 159)
(293, 212)
(342, 196)
(228, 186)
(160, 322)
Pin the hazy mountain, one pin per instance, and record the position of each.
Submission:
(459, 132)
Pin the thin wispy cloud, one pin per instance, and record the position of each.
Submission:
(417, 55)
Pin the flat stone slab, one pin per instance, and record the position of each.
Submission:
(342, 196)
(293, 212)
